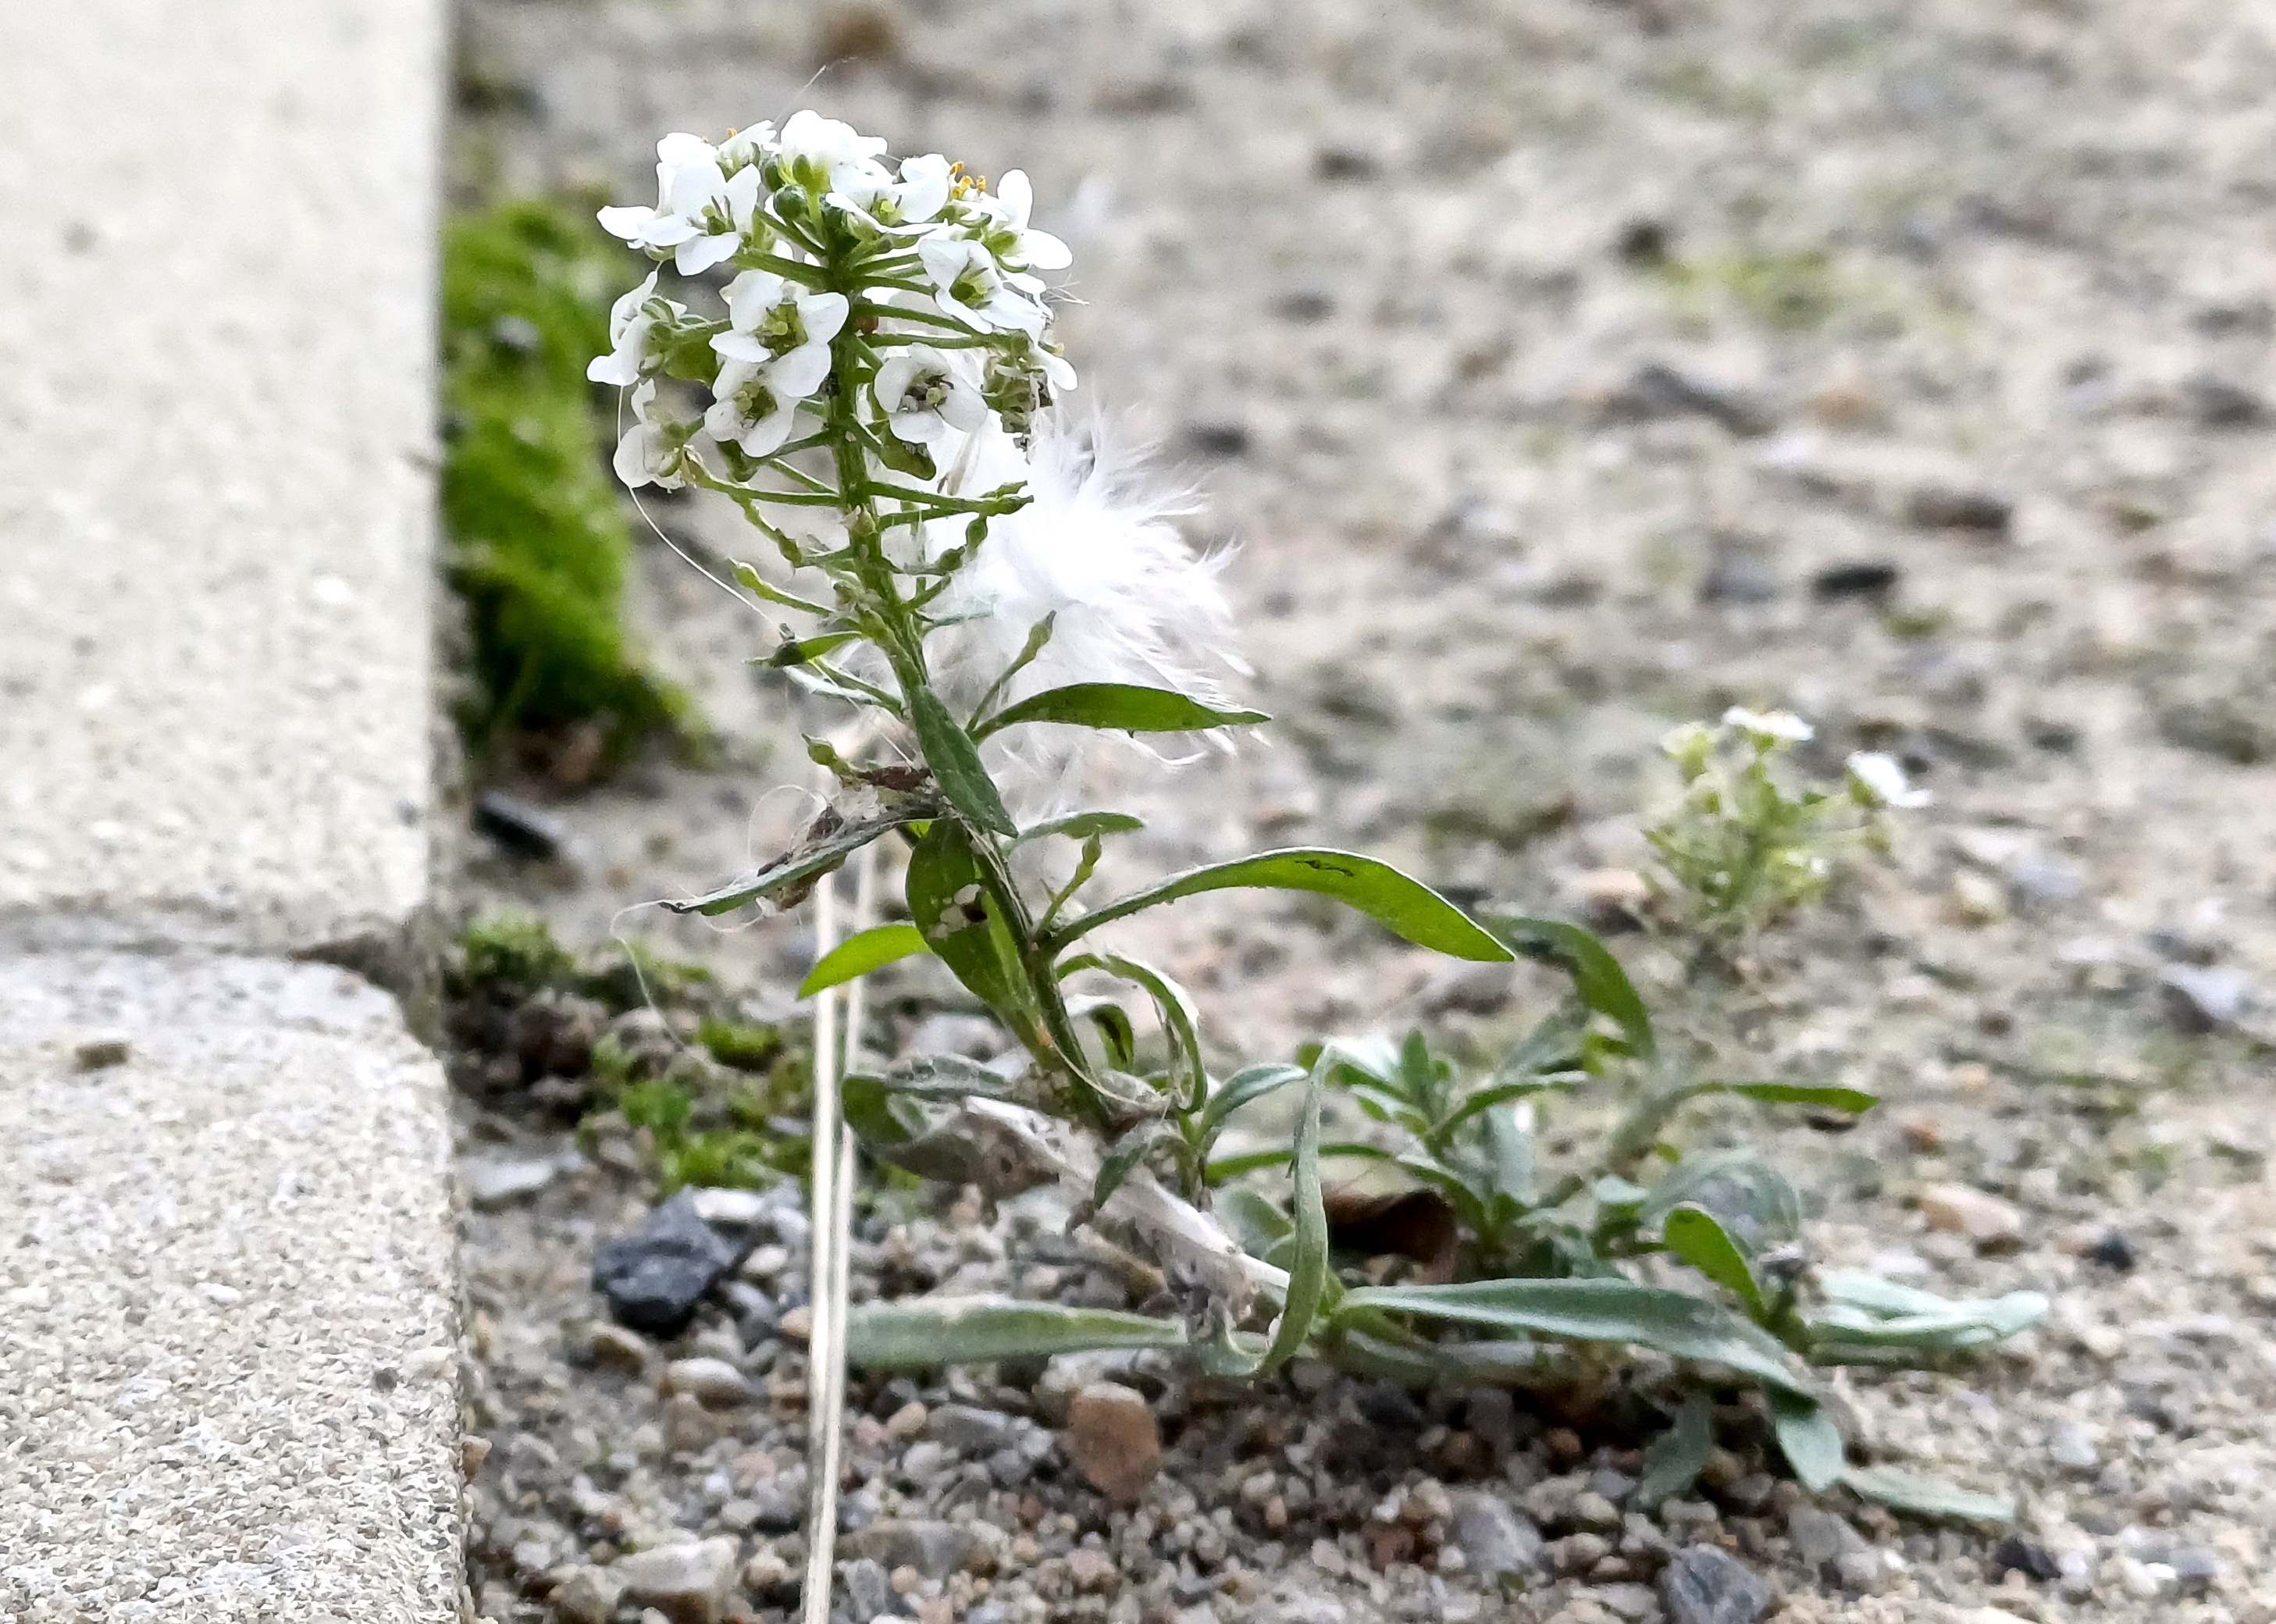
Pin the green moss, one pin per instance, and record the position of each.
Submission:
(513, 951)
(641, 977)
(741, 1045)
(539, 540)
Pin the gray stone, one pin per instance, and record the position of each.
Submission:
(934, 1549)
(713, 1382)
(654, 1277)
(868, 1588)
(1494, 1536)
(688, 1583)
(588, 1595)
(1820, 1536)
(1628, 1601)
(2206, 1000)
(218, 694)
(2072, 1447)
(969, 1430)
(1702, 1585)
(495, 1182)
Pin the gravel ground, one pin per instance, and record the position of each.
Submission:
(1561, 371)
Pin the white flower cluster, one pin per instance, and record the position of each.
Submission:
(821, 228)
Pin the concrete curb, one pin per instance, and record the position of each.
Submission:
(228, 1379)
(228, 1332)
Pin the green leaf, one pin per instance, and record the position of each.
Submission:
(806, 650)
(1407, 907)
(1308, 1269)
(1180, 1021)
(984, 1330)
(1499, 1094)
(859, 954)
(1122, 1160)
(1753, 1202)
(955, 763)
(949, 901)
(1677, 1456)
(952, 1077)
(754, 582)
(1255, 1221)
(1245, 1087)
(1596, 976)
(1810, 1441)
(1082, 825)
(1598, 1310)
(1862, 1313)
(1693, 1235)
(1120, 706)
(1823, 1096)
(1928, 1496)
(793, 874)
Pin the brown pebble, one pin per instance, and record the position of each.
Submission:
(95, 1054)
(1113, 1440)
(798, 1325)
(1993, 1224)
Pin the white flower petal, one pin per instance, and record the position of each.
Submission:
(798, 373)
(750, 296)
(1045, 251)
(628, 222)
(822, 315)
(694, 258)
(741, 346)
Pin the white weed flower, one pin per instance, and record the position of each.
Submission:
(653, 451)
(1774, 726)
(925, 399)
(788, 331)
(971, 286)
(1002, 219)
(630, 326)
(662, 230)
(750, 411)
(900, 205)
(818, 151)
(746, 146)
(1878, 781)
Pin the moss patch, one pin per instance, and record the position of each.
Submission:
(539, 541)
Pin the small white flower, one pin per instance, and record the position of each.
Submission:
(721, 208)
(817, 150)
(969, 286)
(870, 190)
(664, 227)
(1879, 780)
(630, 326)
(1007, 233)
(1781, 726)
(788, 331)
(924, 398)
(746, 146)
(750, 411)
(653, 451)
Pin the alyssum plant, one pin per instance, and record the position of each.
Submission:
(880, 394)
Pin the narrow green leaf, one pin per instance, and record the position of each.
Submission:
(1809, 1440)
(955, 763)
(1083, 825)
(1406, 906)
(1693, 1235)
(1596, 976)
(1500, 1094)
(1598, 1310)
(984, 1330)
(1862, 1312)
(1674, 1459)
(758, 584)
(806, 650)
(859, 954)
(1245, 1087)
(1255, 1221)
(1121, 1160)
(1120, 706)
(1928, 1496)
(1823, 1096)
(1307, 1274)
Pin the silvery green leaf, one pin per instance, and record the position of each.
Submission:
(1674, 1459)
(1083, 825)
(789, 877)
(1119, 706)
(1864, 1312)
(1244, 1087)
(1598, 1310)
(1407, 907)
(1255, 1221)
(930, 1332)
(857, 955)
(1754, 1204)
(1825, 1096)
(1810, 1441)
(1928, 1496)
